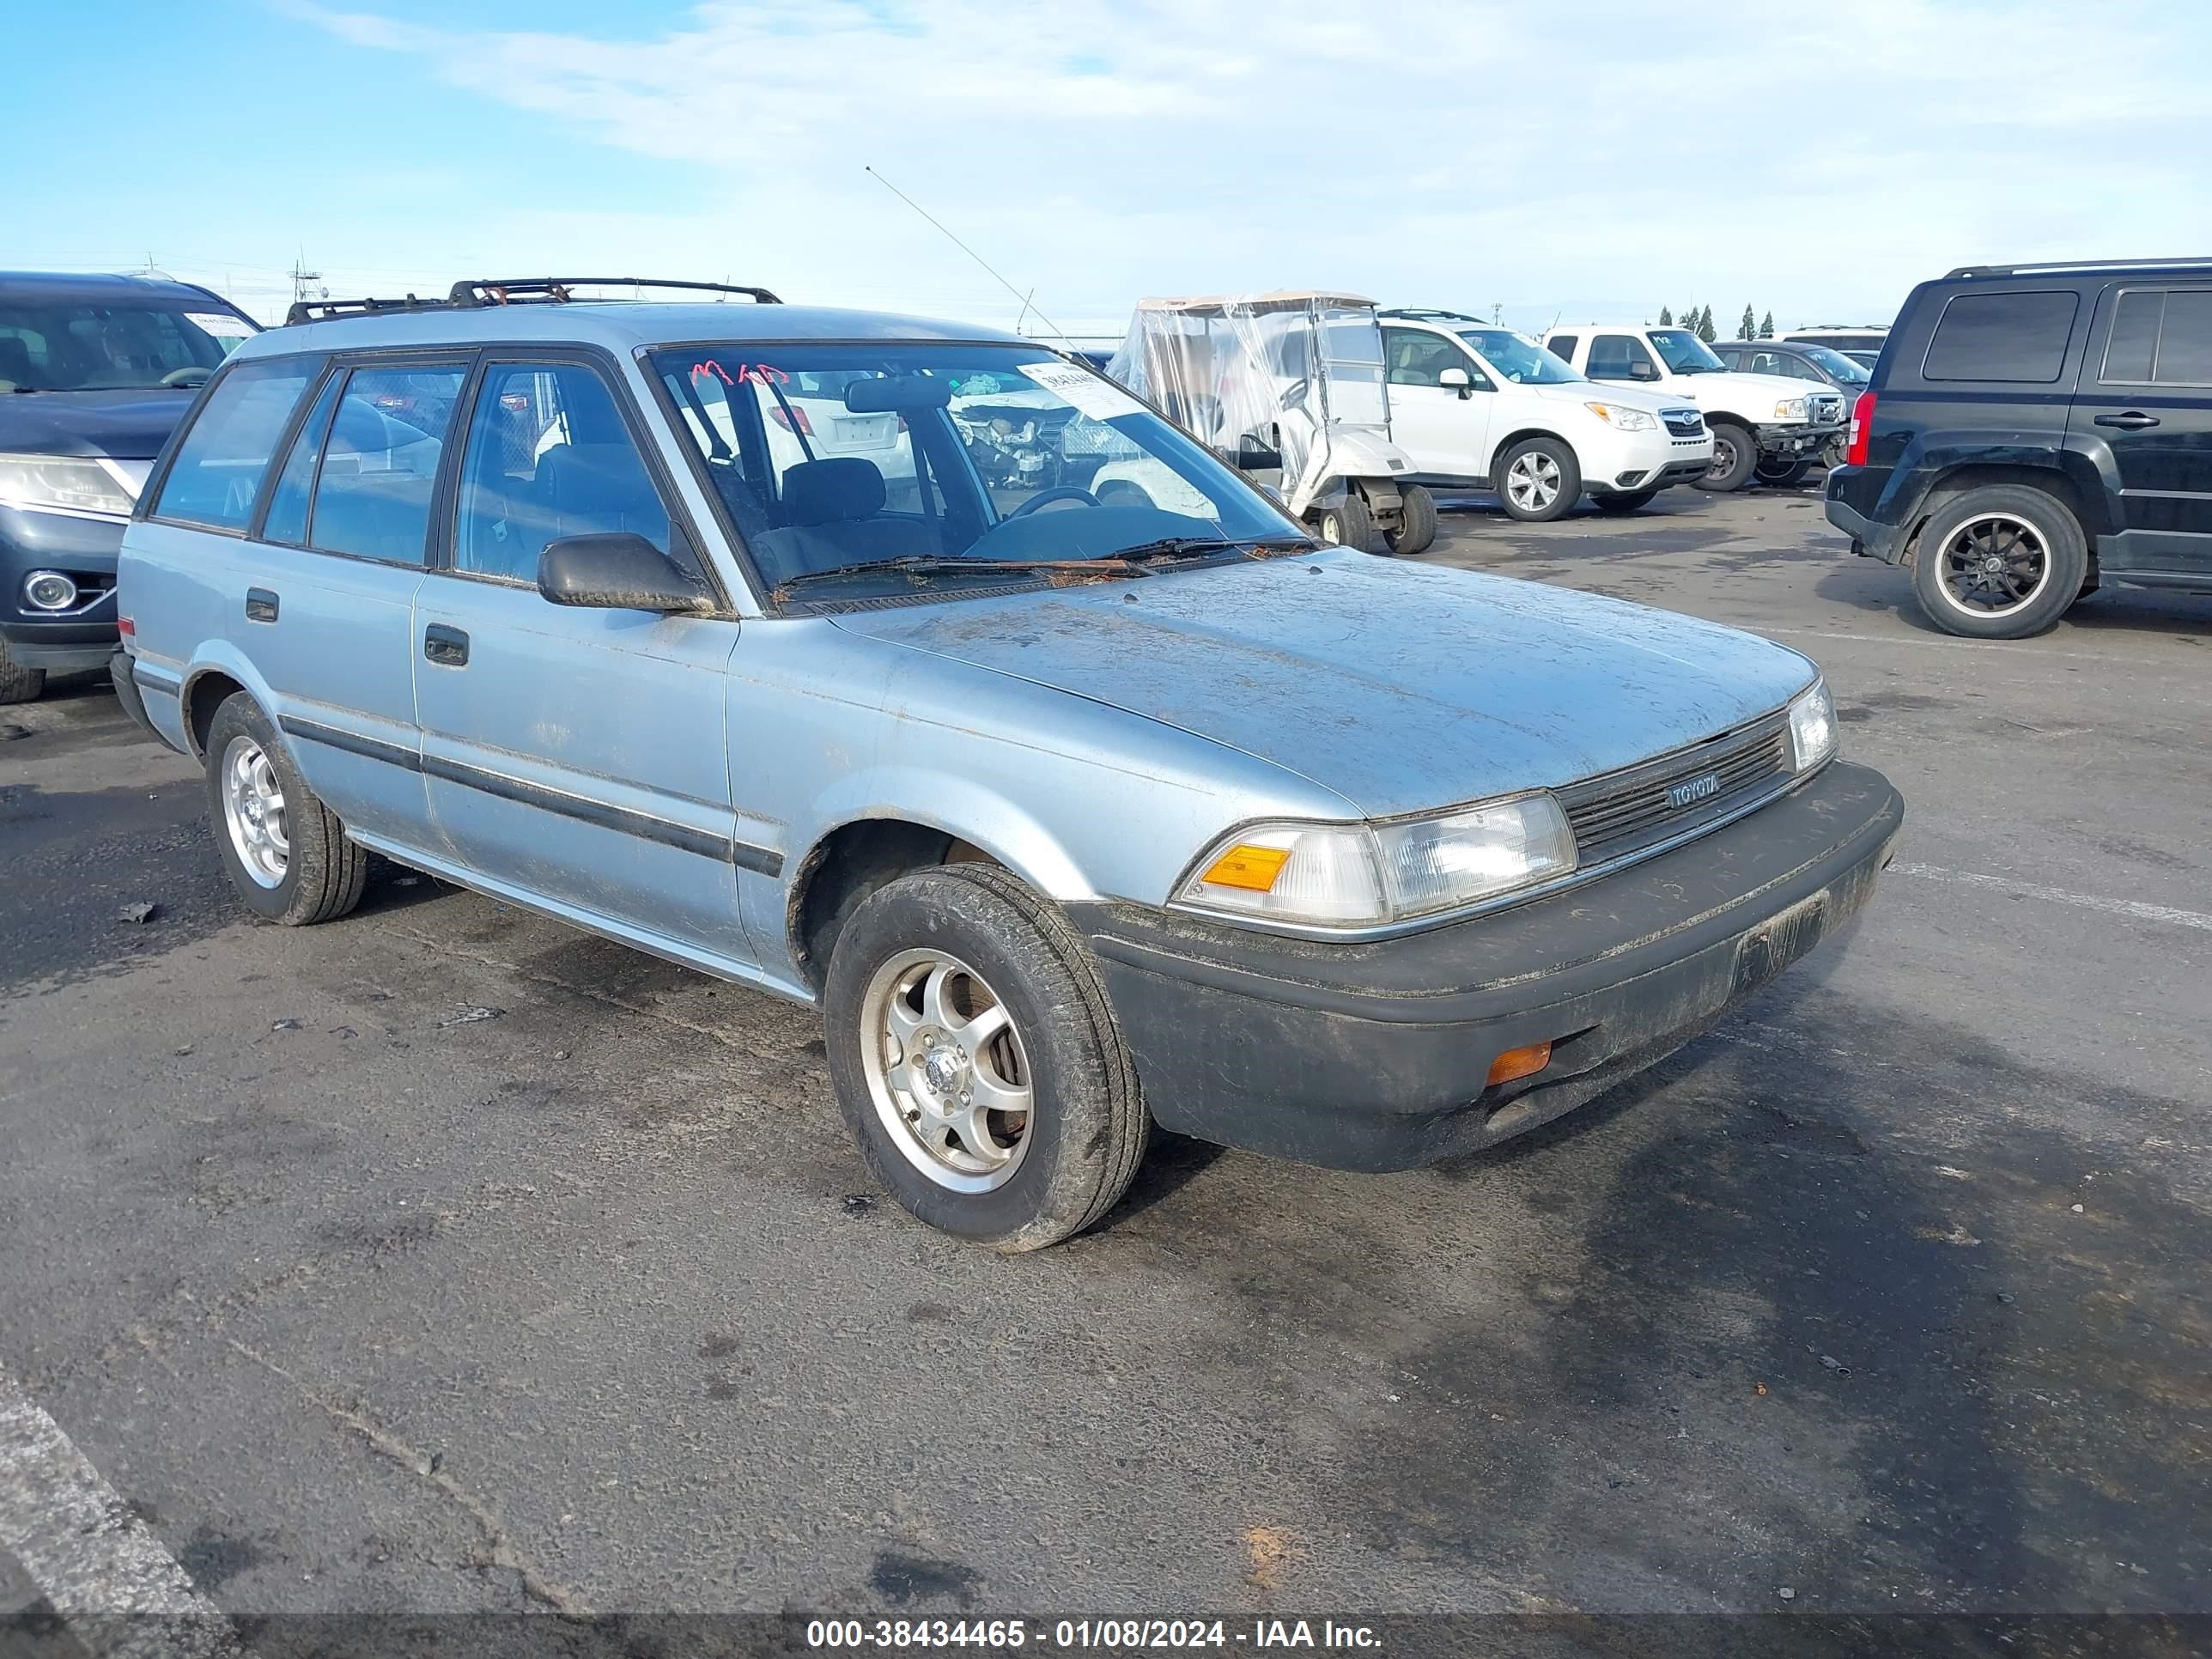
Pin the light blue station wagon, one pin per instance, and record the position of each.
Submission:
(920, 672)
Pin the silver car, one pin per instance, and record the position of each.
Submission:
(1072, 816)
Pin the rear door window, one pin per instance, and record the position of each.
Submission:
(216, 476)
(2019, 337)
(1563, 346)
(380, 465)
(2160, 337)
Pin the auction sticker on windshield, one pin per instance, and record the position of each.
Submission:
(220, 323)
(1101, 399)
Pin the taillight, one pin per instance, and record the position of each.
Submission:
(126, 627)
(795, 420)
(1861, 425)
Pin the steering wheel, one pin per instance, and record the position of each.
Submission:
(1046, 497)
(191, 375)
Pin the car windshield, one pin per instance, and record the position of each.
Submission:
(1518, 358)
(905, 460)
(95, 348)
(1836, 364)
(1684, 352)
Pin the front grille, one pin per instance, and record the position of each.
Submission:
(1827, 409)
(1684, 423)
(1621, 812)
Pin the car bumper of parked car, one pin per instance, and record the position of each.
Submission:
(1376, 1056)
(1796, 442)
(82, 634)
(1874, 540)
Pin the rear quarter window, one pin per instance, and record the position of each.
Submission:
(2016, 337)
(217, 475)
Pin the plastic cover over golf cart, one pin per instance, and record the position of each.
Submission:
(1238, 372)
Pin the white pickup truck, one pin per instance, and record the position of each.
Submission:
(1476, 406)
(1763, 425)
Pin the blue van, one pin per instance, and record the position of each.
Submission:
(95, 371)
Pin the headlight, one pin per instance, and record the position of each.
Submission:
(1328, 875)
(66, 483)
(1789, 409)
(1628, 420)
(1813, 727)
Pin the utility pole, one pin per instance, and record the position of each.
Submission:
(301, 276)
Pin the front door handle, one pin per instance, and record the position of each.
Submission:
(448, 647)
(2133, 421)
(260, 604)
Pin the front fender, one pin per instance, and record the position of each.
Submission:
(985, 818)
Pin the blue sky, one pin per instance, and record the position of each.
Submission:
(1591, 158)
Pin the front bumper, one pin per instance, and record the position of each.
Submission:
(83, 549)
(1796, 442)
(1374, 1056)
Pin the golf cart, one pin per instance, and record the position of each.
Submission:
(1288, 387)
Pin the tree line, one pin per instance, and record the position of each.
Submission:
(1700, 321)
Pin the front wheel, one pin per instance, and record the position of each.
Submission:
(976, 1060)
(17, 682)
(1417, 521)
(1538, 480)
(1736, 453)
(1999, 562)
(1615, 501)
(1348, 523)
(1781, 474)
(285, 852)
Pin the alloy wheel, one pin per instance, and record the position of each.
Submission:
(1533, 481)
(947, 1070)
(1993, 565)
(253, 813)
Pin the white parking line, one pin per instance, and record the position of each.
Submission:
(2111, 907)
(117, 1590)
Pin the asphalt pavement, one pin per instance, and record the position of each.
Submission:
(444, 1259)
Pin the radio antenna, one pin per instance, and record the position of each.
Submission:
(1028, 305)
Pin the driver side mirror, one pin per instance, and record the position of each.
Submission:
(617, 571)
(1458, 380)
(1643, 371)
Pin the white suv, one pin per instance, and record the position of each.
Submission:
(1762, 424)
(1480, 407)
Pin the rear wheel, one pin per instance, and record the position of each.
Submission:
(1782, 473)
(1736, 453)
(1417, 521)
(976, 1061)
(17, 682)
(1999, 562)
(285, 852)
(1618, 500)
(1348, 523)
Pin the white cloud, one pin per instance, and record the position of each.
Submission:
(1608, 155)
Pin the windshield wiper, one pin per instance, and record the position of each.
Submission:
(1169, 548)
(932, 564)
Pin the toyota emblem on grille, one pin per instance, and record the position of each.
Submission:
(1694, 789)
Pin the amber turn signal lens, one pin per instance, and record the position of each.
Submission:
(1519, 1063)
(1248, 866)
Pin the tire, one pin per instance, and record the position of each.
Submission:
(17, 682)
(1070, 1155)
(1782, 475)
(320, 874)
(2042, 561)
(1348, 523)
(1539, 480)
(1615, 501)
(1417, 526)
(1735, 454)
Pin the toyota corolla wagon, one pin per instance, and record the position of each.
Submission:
(712, 628)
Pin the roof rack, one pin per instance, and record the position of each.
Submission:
(2074, 264)
(554, 290)
(1431, 314)
(322, 311)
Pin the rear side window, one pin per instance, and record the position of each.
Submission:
(1563, 346)
(217, 472)
(2161, 338)
(2003, 337)
(379, 463)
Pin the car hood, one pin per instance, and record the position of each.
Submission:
(1579, 392)
(122, 425)
(1750, 394)
(1398, 687)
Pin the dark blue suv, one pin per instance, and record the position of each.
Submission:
(95, 371)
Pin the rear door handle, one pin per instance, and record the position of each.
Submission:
(260, 604)
(2133, 421)
(446, 646)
